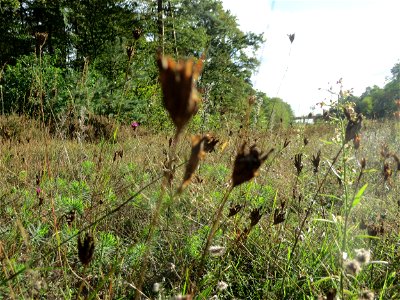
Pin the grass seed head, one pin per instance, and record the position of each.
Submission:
(177, 82)
(86, 249)
(247, 164)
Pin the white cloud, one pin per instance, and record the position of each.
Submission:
(352, 39)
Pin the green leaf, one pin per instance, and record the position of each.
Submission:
(357, 198)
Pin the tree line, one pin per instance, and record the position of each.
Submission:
(60, 57)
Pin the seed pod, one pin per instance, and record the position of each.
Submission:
(195, 156)
(353, 128)
(247, 163)
(177, 82)
(86, 249)
(316, 160)
(297, 163)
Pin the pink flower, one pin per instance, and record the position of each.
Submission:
(135, 125)
(38, 190)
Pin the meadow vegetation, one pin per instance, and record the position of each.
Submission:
(128, 173)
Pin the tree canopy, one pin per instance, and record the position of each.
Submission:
(100, 54)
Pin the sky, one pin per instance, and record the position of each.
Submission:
(357, 40)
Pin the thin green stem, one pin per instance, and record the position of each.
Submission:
(214, 228)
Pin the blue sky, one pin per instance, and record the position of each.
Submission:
(357, 40)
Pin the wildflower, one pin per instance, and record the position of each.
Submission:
(86, 249)
(177, 83)
(38, 191)
(217, 251)
(352, 267)
(363, 256)
(246, 164)
(135, 125)
(221, 286)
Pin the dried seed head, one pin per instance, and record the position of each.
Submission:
(297, 163)
(385, 152)
(86, 249)
(255, 217)
(247, 163)
(41, 38)
(305, 141)
(356, 141)
(316, 160)
(387, 171)
(177, 82)
(352, 267)
(363, 163)
(285, 143)
(195, 156)
(130, 51)
(363, 256)
(233, 210)
(209, 143)
(397, 159)
(353, 128)
(137, 33)
(279, 214)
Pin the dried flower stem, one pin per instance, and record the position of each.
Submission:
(156, 214)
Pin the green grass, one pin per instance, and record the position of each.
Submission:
(81, 183)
